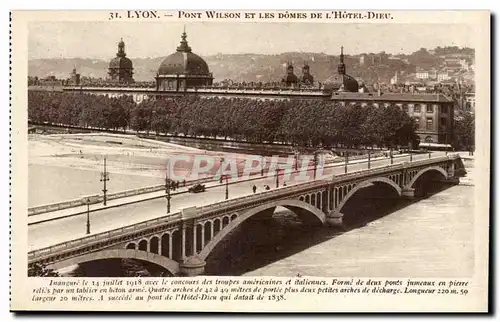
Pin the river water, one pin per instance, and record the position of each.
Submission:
(428, 237)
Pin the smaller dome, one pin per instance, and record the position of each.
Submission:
(120, 62)
(291, 78)
(307, 78)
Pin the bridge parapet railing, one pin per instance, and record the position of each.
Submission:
(172, 217)
(112, 196)
(77, 243)
(258, 196)
(401, 166)
(286, 190)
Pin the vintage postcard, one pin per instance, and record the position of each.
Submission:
(250, 161)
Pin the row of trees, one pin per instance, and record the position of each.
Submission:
(301, 122)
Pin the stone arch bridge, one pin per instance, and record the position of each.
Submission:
(181, 242)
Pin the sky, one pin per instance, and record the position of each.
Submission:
(98, 40)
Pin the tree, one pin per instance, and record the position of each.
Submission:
(464, 131)
(40, 270)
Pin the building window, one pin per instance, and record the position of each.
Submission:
(430, 109)
(430, 124)
(444, 109)
(416, 108)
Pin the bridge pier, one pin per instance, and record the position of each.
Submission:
(335, 219)
(451, 170)
(408, 193)
(193, 266)
(452, 180)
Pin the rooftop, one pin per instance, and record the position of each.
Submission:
(401, 97)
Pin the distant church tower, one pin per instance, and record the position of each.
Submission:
(290, 78)
(74, 78)
(341, 66)
(120, 67)
(307, 78)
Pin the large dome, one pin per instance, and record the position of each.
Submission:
(342, 82)
(183, 61)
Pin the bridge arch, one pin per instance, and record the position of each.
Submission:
(365, 184)
(164, 262)
(421, 172)
(313, 211)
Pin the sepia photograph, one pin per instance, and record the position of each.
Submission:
(391, 129)
(223, 148)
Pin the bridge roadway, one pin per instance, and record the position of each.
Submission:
(49, 233)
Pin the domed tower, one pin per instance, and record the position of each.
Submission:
(341, 81)
(290, 78)
(74, 78)
(307, 78)
(120, 67)
(183, 69)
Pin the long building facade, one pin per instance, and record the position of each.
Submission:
(185, 73)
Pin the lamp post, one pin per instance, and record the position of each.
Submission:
(369, 158)
(315, 162)
(410, 145)
(167, 191)
(446, 143)
(153, 113)
(346, 161)
(104, 179)
(87, 201)
(261, 165)
(221, 168)
(277, 178)
(390, 154)
(296, 154)
(227, 187)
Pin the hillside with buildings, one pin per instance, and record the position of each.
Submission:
(440, 65)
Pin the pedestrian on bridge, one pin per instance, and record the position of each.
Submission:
(254, 188)
(267, 187)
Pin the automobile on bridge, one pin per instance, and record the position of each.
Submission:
(197, 188)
